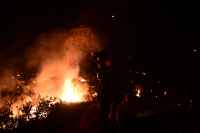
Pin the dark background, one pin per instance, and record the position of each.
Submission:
(159, 36)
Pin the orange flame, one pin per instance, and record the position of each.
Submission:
(138, 93)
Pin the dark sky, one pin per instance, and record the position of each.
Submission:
(159, 30)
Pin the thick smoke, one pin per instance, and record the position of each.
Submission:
(56, 55)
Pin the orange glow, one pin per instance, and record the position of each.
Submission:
(136, 72)
(33, 110)
(138, 93)
(138, 89)
(59, 54)
(71, 92)
(112, 16)
(83, 80)
(195, 50)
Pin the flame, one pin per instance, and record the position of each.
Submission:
(138, 89)
(71, 92)
(32, 111)
(83, 80)
(59, 69)
(138, 93)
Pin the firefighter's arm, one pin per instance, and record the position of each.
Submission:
(113, 114)
(116, 90)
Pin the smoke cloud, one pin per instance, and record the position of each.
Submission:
(56, 55)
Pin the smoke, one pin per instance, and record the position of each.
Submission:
(56, 55)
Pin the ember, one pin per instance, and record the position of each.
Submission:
(83, 80)
(138, 93)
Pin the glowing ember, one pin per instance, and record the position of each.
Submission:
(136, 72)
(151, 90)
(95, 94)
(165, 93)
(112, 16)
(83, 80)
(144, 73)
(156, 96)
(158, 81)
(18, 75)
(138, 93)
(195, 50)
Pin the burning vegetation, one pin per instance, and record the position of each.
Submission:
(32, 102)
(56, 55)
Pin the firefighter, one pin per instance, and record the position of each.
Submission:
(109, 94)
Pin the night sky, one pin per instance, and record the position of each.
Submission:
(159, 37)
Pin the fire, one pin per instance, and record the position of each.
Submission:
(138, 93)
(33, 110)
(138, 89)
(71, 92)
(83, 80)
(58, 55)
